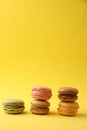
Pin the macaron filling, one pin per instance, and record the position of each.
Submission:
(67, 96)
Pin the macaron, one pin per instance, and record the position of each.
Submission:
(41, 93)
(68, 109)
(13, 106)
(40, 107)
(68, 94)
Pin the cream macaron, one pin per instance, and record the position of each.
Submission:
(13, 106)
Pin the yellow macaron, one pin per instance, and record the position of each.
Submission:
(68, 109)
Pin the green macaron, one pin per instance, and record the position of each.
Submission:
(13, 106)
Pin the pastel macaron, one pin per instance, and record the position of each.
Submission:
(41, 93)
(13, 106)
(68, 94)
(40, 107)
(68, 109)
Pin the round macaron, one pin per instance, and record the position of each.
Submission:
(68, 94)
(68, 109)
(41, 93)
(13, 106)
(40, 103)
(40, 107)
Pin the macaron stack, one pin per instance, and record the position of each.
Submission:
(68, 105)
(13, 106)
(40, 105)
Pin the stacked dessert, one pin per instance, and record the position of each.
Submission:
(68, 105)
(40, 105)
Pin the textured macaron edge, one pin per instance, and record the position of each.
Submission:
(40, 103)
(68, 90)
(13, 102)
(39, 111)
(69, 105)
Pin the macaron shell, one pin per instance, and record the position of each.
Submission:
(69, 105)
(67, 112)
(13, 102)
(39, 111)
(40, 103)
(41, 89)
(41, 95)
(14, 111)
(67, 90)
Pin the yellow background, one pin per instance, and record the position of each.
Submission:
(43, 42)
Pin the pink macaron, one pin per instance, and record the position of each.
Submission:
(41, 93)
